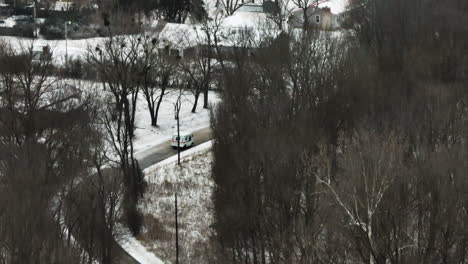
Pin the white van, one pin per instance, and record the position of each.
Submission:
(186, 140)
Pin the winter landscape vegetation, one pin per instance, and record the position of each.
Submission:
(233, 131)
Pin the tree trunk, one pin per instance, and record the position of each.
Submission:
(153, 120)
(306, 19)
(207, 81)
(152, 112)
(254, 248)
(194, 108)
(156, 114)
(205, 98)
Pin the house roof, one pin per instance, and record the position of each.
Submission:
(335, 6)
(180, 35)
(311, 11)
(243, 19)
(250, 15)
(251, 8)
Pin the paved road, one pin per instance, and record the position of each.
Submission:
(164, 150)
(152, 156)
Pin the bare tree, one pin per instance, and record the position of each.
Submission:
(229, 6)
(365, 140)
(372, 164)
(197, 70)
(281, 13)
(210, 29)
(117, 62)
(194, 77)
(94, 206)
(260, 114)
(46, 136)
(158, 70)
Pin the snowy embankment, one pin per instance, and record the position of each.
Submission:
(194, 186)
(135, 249)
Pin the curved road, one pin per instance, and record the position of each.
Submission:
(164, 150)
(152, 156)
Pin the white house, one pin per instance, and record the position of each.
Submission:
(250, 16)
(250, 23)
(320, 18)
(245, 28)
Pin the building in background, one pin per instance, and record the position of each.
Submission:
(319, 18)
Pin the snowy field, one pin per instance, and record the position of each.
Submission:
(76, 49)
(193, 182)
(148, 136)
(177, 33)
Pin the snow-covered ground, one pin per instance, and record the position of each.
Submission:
(148, 136)
(336, 6)
(136, 249)
(182, 34)
(194, 185)
(76, 48)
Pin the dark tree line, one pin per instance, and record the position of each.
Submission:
(174, 11)
(48, 143)
(177, 11)
(67, 170)
(351, 149)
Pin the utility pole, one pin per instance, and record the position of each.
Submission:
(177, 184)
(66, 42)
(35, 27)
(177, 105)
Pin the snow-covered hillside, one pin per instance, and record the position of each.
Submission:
(193, 182)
